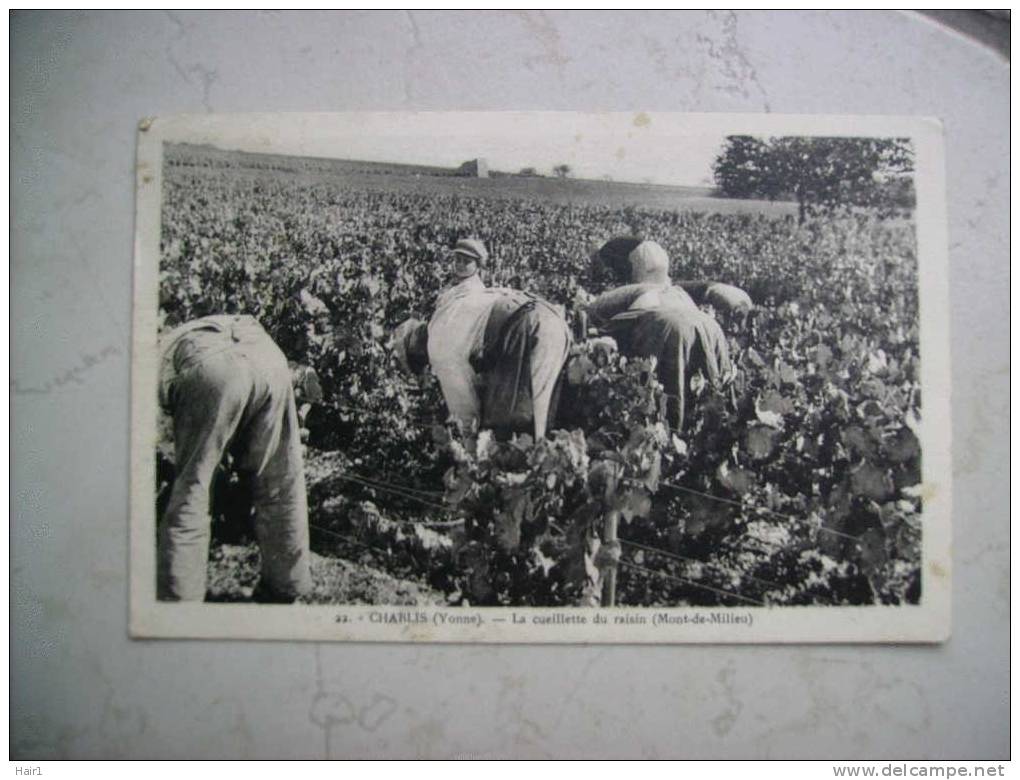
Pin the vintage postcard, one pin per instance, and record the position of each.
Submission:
(541, 377)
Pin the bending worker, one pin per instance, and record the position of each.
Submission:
(653, 317)
(625, 264)
(498, 353)
(228, 388)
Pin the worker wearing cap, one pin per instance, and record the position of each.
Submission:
(650, 287)
(631, 260)
(653, 317)
(228, 387)
(498, 353)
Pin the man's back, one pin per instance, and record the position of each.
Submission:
(637, 296)
(456, 340)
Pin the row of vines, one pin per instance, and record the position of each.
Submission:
(796, 484)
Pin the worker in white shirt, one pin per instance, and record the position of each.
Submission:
(498, 353)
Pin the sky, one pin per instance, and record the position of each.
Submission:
(631, 156)
(626, 147)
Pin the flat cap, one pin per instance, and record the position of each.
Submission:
(648, 262)
(473, 249)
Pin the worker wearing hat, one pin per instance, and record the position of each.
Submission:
(650, 287)
(498, 353)
(651, 316)
(630, 260)
(469, 257)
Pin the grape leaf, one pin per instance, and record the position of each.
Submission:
(859, 442)
(772, 401)
(871, 481)
(902, 446)
(736, 479)
(760, 441)
(633, 503)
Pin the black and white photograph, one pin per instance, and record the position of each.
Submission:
(511, 385)
(540, 377)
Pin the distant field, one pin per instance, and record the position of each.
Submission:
(797, 484)
(386, 177)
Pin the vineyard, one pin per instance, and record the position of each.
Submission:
(796, 484)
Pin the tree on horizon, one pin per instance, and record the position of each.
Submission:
(821, 174)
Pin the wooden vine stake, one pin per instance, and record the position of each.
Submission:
(609, 540)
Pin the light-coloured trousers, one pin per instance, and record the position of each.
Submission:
(232, 391)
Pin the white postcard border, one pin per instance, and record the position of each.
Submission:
(928, 621)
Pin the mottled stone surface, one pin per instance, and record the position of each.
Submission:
(80, 688)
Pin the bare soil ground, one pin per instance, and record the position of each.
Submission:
(345, 569)
(233, 574)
